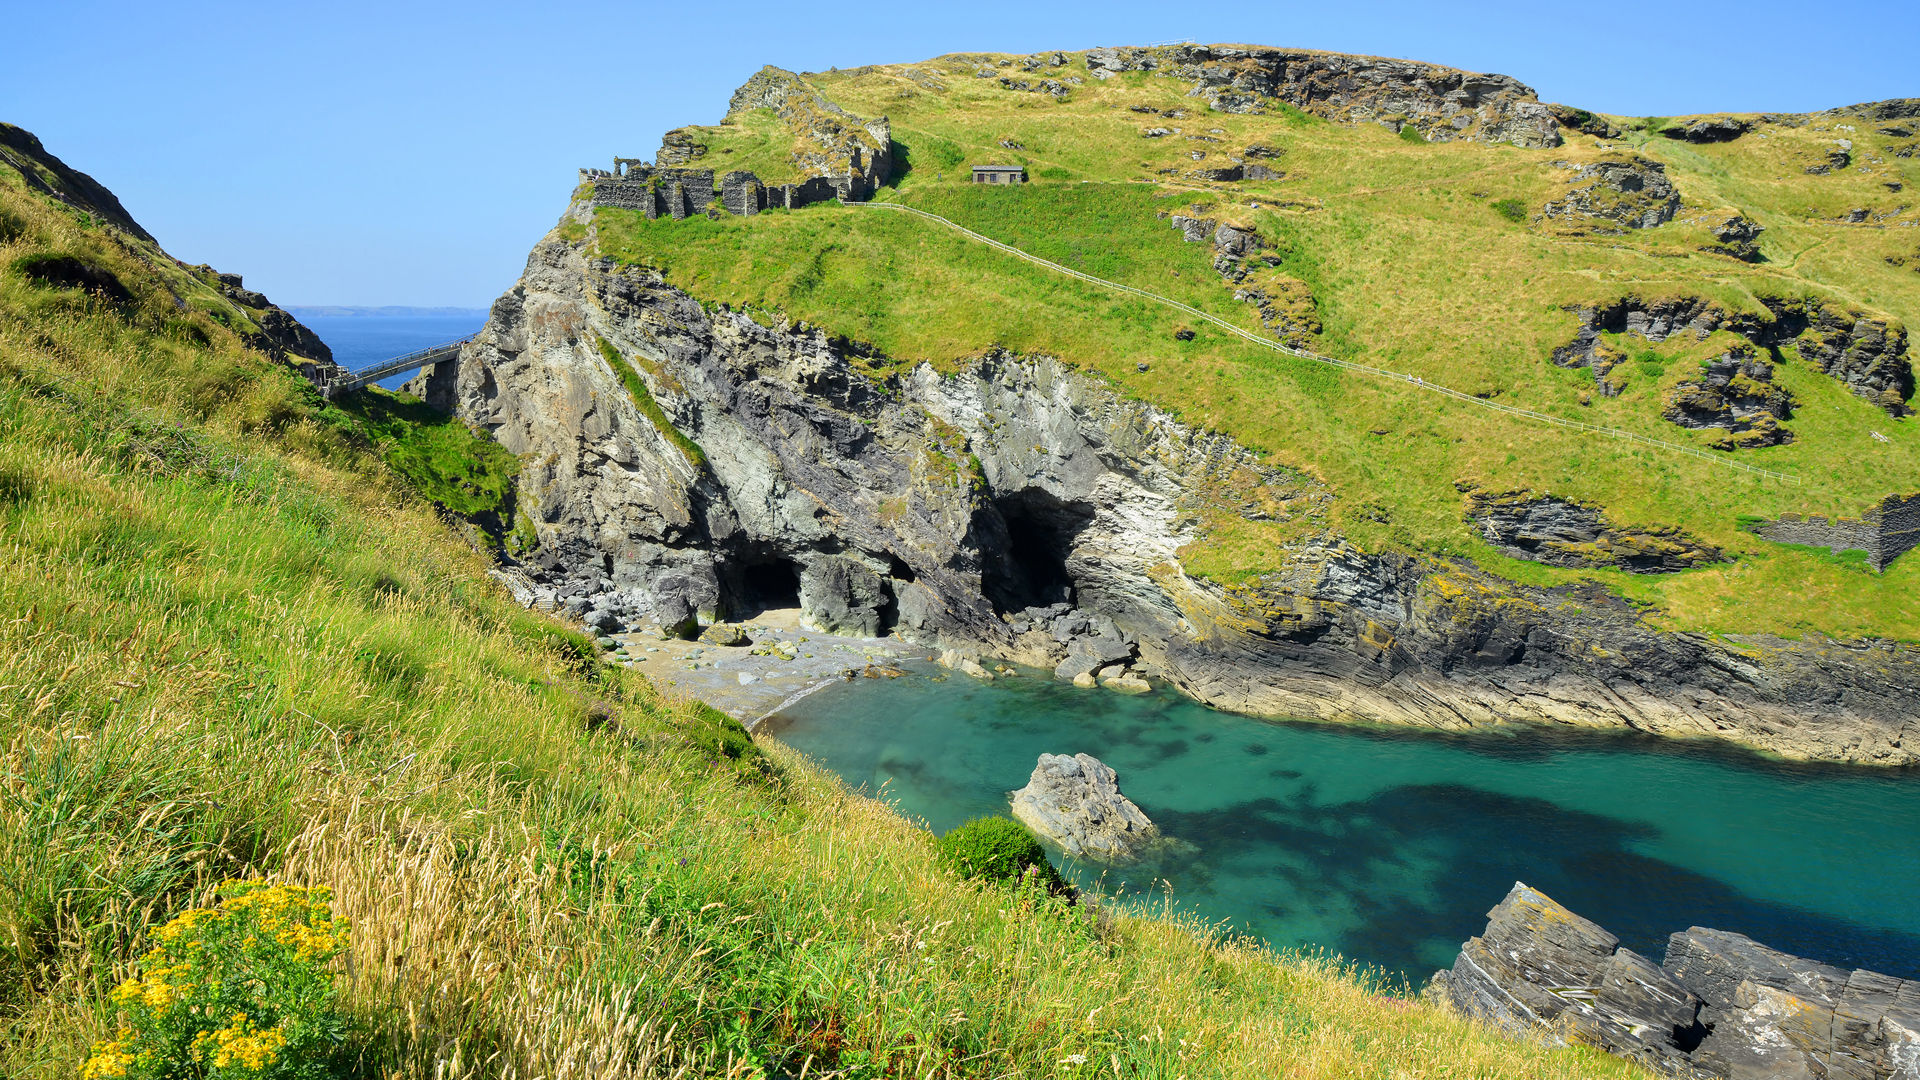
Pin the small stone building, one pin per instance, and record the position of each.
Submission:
(999, 174)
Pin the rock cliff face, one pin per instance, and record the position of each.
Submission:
(1866, 353)
(683, 462)
(1442, 103)
(1720, 1005)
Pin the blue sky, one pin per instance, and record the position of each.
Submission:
(355, 153)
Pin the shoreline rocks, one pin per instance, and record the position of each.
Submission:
(1720, 1005)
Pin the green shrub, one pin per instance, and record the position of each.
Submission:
(1512, 209)
(1409, 133)
(716, 733)
(998, 849)
(241, 990)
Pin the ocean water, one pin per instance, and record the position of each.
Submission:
(1390, 845)
(361, 340)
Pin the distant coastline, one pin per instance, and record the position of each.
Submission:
(336, 311)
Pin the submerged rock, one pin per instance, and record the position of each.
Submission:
(1722, 1005)
(1076, 802)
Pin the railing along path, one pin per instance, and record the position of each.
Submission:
(1349, 365)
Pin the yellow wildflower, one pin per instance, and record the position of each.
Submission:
(240, 1043)
(110, 1060)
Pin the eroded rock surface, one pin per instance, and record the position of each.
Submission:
(1628, 193)
(1866, 352)
(1720, 1005)
(1442, 103)
(1561, 532)
(1076, 802)
(1737, 394)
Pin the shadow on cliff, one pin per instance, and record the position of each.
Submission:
(1421, 865)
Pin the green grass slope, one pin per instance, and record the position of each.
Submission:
(236, 639)
(1426, 258)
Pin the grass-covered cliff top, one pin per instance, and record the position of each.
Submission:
(235, 640)
(1432, 259)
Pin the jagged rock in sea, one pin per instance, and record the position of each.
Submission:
(1720, 1005)
(1076, 802)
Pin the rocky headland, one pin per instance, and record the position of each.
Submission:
(684, 462)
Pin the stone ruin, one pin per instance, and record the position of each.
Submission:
(682, 192)
(1887, 530)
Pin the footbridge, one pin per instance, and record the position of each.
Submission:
(419, 358)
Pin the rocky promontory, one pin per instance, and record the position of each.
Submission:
(1719, 1005)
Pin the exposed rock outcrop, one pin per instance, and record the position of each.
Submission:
(1719, 1005)
(1442, 103)
(1738, 238)
(1076, 803)
(953, 506)
(829, 141)
(1737, 394)
(1584, 122)
(1561, 532)
(1708, 129)
(1868, 354)
(1630, 193)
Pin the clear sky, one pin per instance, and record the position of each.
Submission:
(410, 153)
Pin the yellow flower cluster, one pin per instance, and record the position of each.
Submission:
(240, 1043)
(155, 990)
(301, 918)
(110, 1060)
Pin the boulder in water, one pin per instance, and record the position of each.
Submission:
(1076, 802)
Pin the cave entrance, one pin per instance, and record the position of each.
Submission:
(1032, 569)
(769, 584)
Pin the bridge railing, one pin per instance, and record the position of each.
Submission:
(432, 354)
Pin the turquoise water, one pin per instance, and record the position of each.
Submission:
(1389, 846)
(360, 341)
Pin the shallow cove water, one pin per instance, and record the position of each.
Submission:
(1389, 845)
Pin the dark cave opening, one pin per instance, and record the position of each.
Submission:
(1032, 569)
(768, 584)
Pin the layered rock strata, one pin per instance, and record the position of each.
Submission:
(1719, 1005)
(1867, 353)
(1443, 104)
(781, 467)
(1562, 532)
(1736, 394)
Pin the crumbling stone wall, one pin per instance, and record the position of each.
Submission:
(635, 185)
(1886, 531)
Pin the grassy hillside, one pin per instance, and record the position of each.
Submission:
(1411, 264)
(235, 641)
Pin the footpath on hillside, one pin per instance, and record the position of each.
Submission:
(1349, 365)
